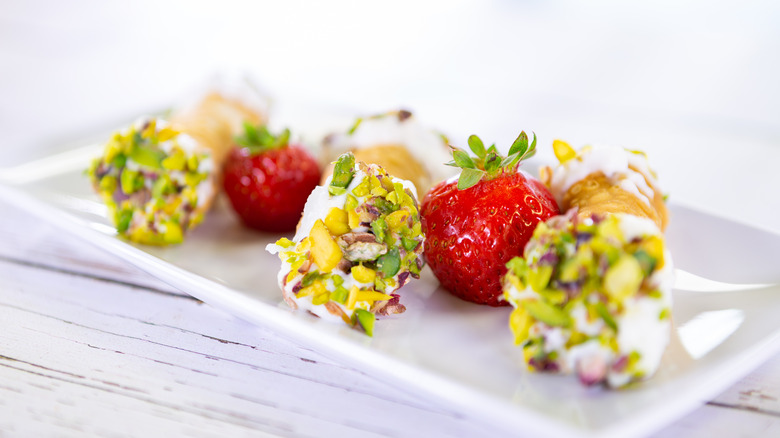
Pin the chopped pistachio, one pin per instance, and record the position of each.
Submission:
(173, 233)
(361, 189)
(409, 244)
(397, 219)
(119, 161)
(351, 203)
(563, 151)
(339, 295)
(147, 156)
(371, 296)
(366, 320)
(390, 263)
(603, 312)
(520, 322)
(108, 184)
(175, 161)
(325, 252)
(363, 274)
(353, 219)
(310, 277)
(547, 313)
(352, 297)
(337, 221)
(343, 171)
(379, 227)
(127, 180)
(123, 220)
(193, 163)
(623, 278)
(539, 278)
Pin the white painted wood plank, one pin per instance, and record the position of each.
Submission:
(74, 346)
(759, 391)
(24, 238)
(713, 421)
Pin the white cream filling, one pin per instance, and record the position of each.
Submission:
(614, 163)
(424, 144)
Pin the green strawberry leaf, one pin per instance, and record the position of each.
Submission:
(469, 178)
(476, 146)
(489, 163)
(520, 145)
(462, 159)
(492, 162)
(259, 139)
(512, 159)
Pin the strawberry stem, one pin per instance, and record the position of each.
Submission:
(489, 163)
(259, 139)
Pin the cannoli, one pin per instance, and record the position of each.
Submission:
(358, 242)
(592, 292)
(158, 179)
(605, 179)
(397, 142)
(592, 296)
(215, 120)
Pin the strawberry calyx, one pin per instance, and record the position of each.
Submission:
(488, 163)
(258, 139)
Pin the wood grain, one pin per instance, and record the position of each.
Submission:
(106, 351)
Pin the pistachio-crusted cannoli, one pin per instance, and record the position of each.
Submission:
(158, 179)
(592, 296)
(605, 179)
(358, 242)
(157, 182)
(397, 142)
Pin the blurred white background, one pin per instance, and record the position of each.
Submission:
(695, 84)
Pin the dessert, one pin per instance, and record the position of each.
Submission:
(592, 290)
(605, 179)
(474, 224)
(359, 241)
(397, 142)
(267, 179)
(158, 179)
(592, 296)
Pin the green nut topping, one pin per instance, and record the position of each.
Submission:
(576, 278)
(390, 263)
(151, 182)
(547, 313)
(147, 156)
(343, 172)
(366, 320)
(357, 254)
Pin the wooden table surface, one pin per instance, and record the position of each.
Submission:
(90, 346)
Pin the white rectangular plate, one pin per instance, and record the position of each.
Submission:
(725, 314)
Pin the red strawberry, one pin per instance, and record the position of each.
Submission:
(473, 227)
(268, 180)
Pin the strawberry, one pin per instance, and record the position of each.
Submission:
(474, 226)
(268, 180)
